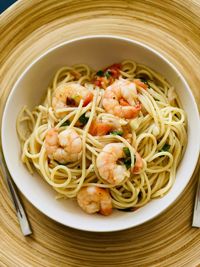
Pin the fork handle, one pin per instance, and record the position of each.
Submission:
(196, 213)
(23, 220)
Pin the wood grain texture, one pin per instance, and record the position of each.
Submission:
(29, 28)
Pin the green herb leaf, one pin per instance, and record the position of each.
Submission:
(107, 74)
(66, 123)
(100, 73)
(143, 80)
(126, 151)
(166, 147)
(127, 162)
(83, 119)
(116, 133)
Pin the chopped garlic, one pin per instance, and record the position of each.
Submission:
(87, 114)
(134, 123)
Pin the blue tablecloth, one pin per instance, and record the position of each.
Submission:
(5, 4)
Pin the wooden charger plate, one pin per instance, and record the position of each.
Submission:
(29, 28)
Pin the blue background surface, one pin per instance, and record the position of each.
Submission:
(5, 4)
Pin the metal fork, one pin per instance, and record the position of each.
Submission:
(196, 212)
(23, 220)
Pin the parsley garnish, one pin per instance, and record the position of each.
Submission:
(120, 133)
(143, 80)
(166, 147)
(107, 74)
(66, 123)
(127, 160)
(83, 119)
(126, 151)
(100, 73)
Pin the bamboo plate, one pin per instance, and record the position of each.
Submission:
(29, 28)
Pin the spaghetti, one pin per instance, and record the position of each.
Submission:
(120, 130)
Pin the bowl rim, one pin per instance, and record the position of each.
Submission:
(101, 36)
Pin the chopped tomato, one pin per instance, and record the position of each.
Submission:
(101, 82)
(140, 83)
(116, 66)
(138, 163)
(106, 77)
(99, 128)
(88, 99)
(114, 70)
(97, 82)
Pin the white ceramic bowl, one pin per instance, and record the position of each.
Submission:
(97, 51)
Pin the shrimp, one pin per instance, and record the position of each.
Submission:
(107, 165)
(70, 95)
(63, 147)
(104, 126)
(94, 199)
(120, 99)
(99, 128)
